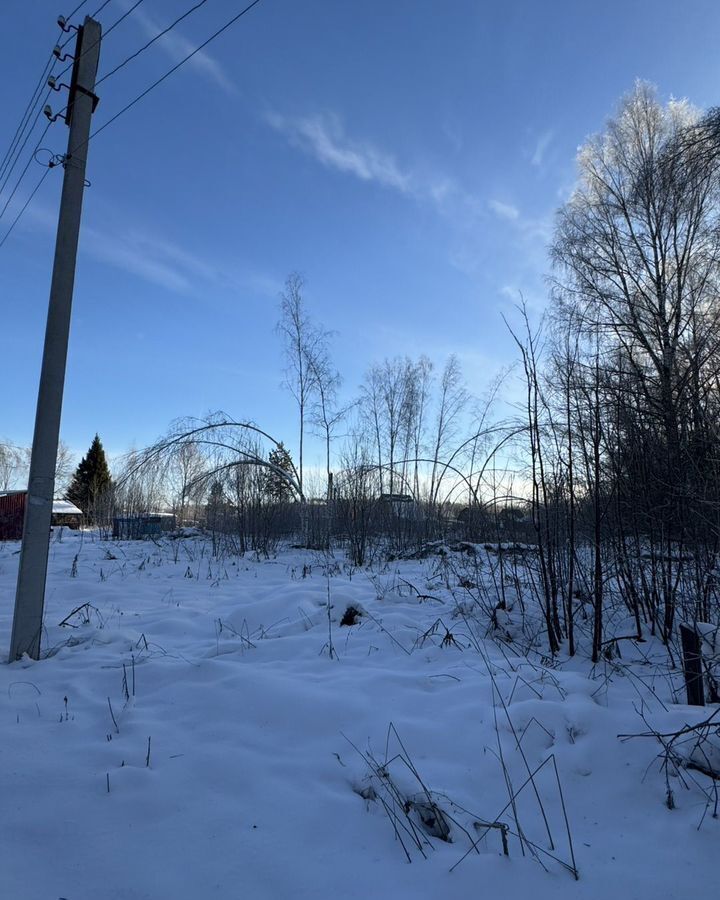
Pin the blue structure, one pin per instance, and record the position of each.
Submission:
(134, 528)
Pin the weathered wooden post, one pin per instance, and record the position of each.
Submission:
(692, 665)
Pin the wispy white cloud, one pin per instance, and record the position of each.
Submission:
(541, 146)
(178, 47)
(323, 137)
(171, 266)
(504, 210)
(157, 260)
(140, 254)
(518, 257)
(528, 227)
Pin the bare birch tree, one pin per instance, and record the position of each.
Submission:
(451, 403)
(325, 413)
(12, 465)
(300, 339)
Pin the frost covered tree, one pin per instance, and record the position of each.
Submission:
(638, 245)
(637, 251)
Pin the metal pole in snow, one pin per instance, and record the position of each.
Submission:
(30, 595)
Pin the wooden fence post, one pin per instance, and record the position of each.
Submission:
(692, 665)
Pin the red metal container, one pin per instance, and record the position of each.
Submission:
(12, 514)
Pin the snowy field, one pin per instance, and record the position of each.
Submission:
(203, 728)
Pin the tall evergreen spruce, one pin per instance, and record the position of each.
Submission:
(91, 481)
(275, 486)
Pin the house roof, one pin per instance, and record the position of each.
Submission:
(59, 507)
(65, 508)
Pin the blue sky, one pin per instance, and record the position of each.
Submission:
(405, 156)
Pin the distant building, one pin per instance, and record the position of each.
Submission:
(401, 505)
(66, 513)
(12, 514)
(134, 528)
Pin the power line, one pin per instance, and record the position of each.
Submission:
(107, 31)
(99, 10)
(25, 206)
(27, 166)
(18, 150)
(121, 19)
(76, 10)
(19, 153)
(128, 106)
(72, 15)
(151, 41)
(28, 112)
(174, 69)
(49, 65)
(104, 37)
(93, 16)
(37, 116)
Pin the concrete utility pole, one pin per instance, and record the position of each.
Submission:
(30, 596)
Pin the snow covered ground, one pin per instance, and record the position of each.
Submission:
(192, 735)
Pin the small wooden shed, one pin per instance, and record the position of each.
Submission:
(66, 513)
(12, 514)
